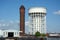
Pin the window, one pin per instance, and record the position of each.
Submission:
(15, 33)
(4, 33)
(10, 34)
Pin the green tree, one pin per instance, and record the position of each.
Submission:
(37, 34)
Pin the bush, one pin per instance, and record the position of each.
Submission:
(43, 35)
(37, 34)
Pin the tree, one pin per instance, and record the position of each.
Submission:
(37, 34)
(43, 35)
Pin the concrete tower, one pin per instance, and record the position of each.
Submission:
(37, 20)
(22, 20)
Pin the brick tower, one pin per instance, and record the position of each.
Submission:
(22, 20)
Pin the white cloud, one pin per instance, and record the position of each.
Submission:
(0, 25)
(26, 23)
(12, 24)
(18, 21)
(11, 21)
(57, 12)
(9, 24)
(27, 27)
(3, 24)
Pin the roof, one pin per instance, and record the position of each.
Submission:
(37, 10)
(9, 30)
(22, 6)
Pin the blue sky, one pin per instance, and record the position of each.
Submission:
(9, 13)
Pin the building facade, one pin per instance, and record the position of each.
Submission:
(9, 33)
(37, 20)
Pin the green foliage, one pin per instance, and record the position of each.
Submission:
(37, 34)
(43, 35)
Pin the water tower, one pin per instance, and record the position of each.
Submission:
(37, 20)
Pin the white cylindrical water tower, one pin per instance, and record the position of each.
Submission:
(37, 20)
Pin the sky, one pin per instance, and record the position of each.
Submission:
(9, 13)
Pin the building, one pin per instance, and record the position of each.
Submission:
(9, 33)
(53, 34)
(37, 20)
(22, 20)
(15, 33)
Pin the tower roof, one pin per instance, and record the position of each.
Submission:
(37, 9)
(22, 6)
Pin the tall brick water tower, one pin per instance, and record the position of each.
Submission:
(22, 20)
